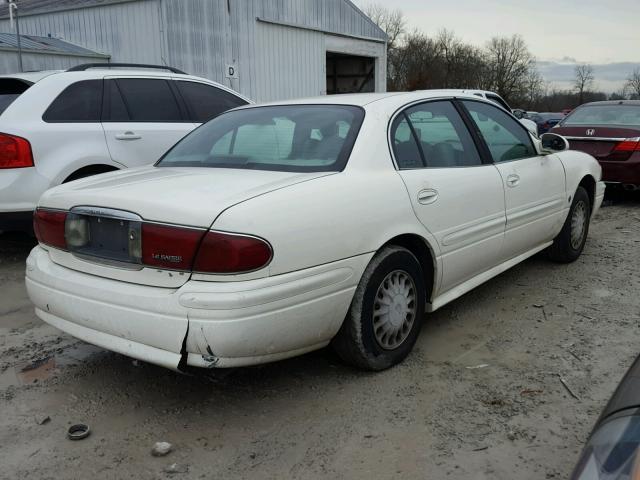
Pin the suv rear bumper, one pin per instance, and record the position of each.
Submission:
(201, 324)
(16, 221)
(20, 189)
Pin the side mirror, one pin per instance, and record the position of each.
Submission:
(519, 114)
(552, 142)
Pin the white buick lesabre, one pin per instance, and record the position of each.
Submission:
(275, 230)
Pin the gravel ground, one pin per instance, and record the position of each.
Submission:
(479, 398)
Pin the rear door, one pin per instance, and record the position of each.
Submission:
(534, 185)
(456, 196)
(142, 119)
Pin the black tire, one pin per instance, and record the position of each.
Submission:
(564, 250)
(357, 343)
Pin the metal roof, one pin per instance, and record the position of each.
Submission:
(32, 43)
(30, 7)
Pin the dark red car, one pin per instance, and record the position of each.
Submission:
(610, 132)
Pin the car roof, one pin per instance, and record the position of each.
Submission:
(363, 99)
(31, 77)
(613, 102)
(94, 73)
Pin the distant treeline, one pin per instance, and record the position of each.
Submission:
(504, 65)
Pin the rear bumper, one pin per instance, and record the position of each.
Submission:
(201, 324)
(16, 221)
(626, 172)
(21, 188)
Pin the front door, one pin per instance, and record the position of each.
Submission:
(534, 184)
(455, 196)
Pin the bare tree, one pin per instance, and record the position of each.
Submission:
(633, 84)
(584, 80)
(391, 21)
(508, 65)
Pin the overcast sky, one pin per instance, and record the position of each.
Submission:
(605, 33)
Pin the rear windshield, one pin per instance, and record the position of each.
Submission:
(604, 115)
(291, 138)
(10, 89)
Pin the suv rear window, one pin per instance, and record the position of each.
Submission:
(80, 102)
(10, 89)
(289, 138)
(604, 115)
(205, 101)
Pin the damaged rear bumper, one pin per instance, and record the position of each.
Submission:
(201, 324)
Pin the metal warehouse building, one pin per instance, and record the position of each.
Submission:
(264, 49)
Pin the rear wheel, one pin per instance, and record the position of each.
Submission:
(569, 243)
(386, 312)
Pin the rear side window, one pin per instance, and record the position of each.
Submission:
(441, 135)
(604, 115)
(205, 101)
(80, 102)
(148, 100)
(10, 89)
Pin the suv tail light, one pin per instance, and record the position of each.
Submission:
(624, 149)
(231, 253)
(48, 226)
(15, 152)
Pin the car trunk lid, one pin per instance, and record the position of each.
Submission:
(598, 141)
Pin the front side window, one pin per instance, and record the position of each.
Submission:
(149, 100)
(442, 137)
(292, 138)
(506, 138)
(205, 101)
(80, 102)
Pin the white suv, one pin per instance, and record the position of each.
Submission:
(59, 126)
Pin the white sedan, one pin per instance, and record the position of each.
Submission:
(275, 230)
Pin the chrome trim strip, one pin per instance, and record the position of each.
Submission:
(601, 139)
(106, 213)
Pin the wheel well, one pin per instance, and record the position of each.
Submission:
(589, 184)
(420, 248)
(88, 171)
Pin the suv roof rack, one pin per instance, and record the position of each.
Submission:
(86, 66)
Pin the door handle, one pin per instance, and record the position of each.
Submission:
(129, 135)
(513, 180)
(427, 196)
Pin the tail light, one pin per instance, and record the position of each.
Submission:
(182, 248)
(48, 226)
(15, 152)
(624, 149)
(231, 253)
(164, 246)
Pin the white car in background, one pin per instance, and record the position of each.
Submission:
(58, 126)
(498, 100)
(274, 230)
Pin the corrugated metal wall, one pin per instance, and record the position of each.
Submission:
(273, 61)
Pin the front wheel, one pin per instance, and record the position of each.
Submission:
(569, 243)
(386, 312)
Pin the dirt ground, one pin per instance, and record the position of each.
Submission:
(479, 398)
